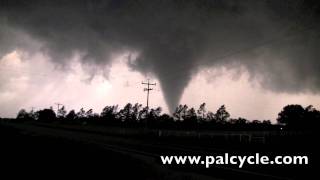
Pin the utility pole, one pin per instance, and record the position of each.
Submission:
(32, 108)
(148, 89)
(58, 104)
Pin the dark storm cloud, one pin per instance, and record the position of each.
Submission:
(174, 39)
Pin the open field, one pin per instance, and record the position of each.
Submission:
(53, 149)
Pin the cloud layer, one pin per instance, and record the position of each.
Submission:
(275, 42)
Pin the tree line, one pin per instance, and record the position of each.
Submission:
(135, 115)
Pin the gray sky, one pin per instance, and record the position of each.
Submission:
(37, 82)
(253, 56)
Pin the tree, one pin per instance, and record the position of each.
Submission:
(177, 113)
(222, 114)
(89, 114)
(154, 115)
(312, 117)
(61, 112)
(81, 114)
(47, 115)
(180, 112)
(292, 115)
(33, 115)
(202, 111)
(125, 114)
(143, 114)
(211, 117)
(191, 116)
(135, 112)
(166, 119)
(240, 121)
(109, 113)
(266, 122)
(71, 115)
(184, 111)
(255, 122)
(22, 114)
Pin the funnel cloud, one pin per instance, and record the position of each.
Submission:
(276, 42)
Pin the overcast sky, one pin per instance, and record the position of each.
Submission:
(253, 56)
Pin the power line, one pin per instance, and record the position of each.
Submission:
(263, 44)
